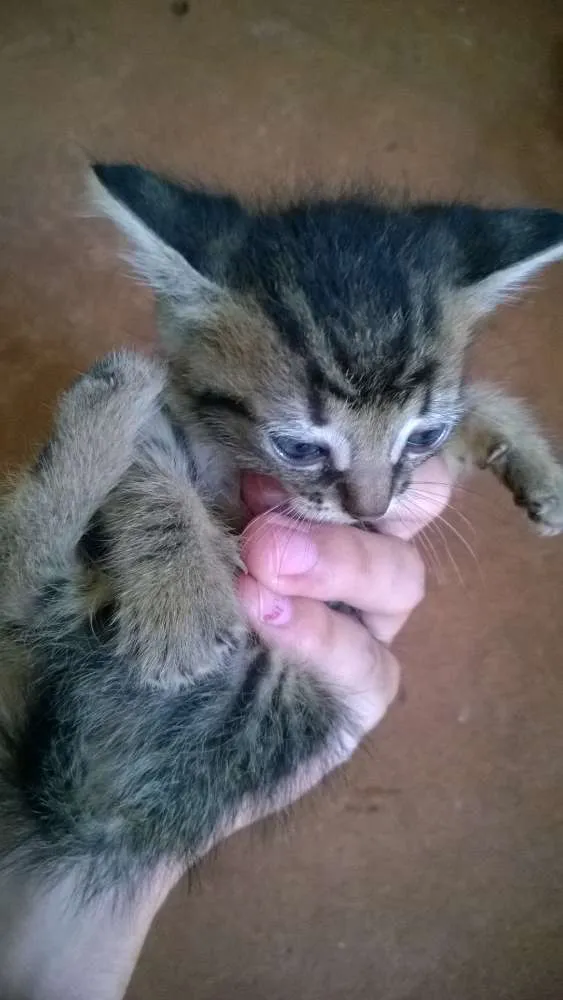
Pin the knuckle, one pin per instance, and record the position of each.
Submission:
(409, 585)
(319, 638)
(417, 579)
(309, 645)
(390, 676)
(381, 687)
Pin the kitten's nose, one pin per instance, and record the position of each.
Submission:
(365, 502)
(374, 512)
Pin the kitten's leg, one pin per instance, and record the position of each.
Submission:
(162, 776)
(346, 701)
(497, 432)
(172, 567)
(275, 736)
(253, 741)
(92, 445)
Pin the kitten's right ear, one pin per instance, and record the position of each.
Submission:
(170, 229)
(500, 251)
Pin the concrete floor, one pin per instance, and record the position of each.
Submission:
(433, 869)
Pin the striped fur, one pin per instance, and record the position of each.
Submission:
(140, 721)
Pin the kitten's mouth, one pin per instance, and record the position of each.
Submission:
(370, 526)
(261, 494)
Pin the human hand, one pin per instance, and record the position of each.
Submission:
(293, 571)
(380, 575)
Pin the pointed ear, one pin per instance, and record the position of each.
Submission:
(499, 251)
(172, 231)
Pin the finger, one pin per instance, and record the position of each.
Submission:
(339, 649)
(427, 496)
(389, 591)
(374, 573)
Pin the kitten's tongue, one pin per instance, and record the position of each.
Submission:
(260, 493)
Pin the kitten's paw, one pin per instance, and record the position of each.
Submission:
(178, 623)
(536, 483)
(98, 423)
(228, 640)
(100, 418)
(544, 503)
(166, 653)
(118, 380)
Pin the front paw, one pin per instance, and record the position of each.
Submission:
(172, 635)
(536, 483)
(160, 655)
(118, 394)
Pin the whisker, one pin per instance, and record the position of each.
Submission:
(425, 541)
(258, 526)
(442, 519)
(429, 549)
(463, 517)
(456, 486)
(460, 536)
(436, 526)
(412, 511)
(300, 519)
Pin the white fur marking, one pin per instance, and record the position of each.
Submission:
(486, 294)
(156, 263)
(327, 436)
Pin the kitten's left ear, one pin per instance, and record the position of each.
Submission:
(176, 233)
(499, 251)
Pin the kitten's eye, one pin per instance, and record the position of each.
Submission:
(427, 438)
(298, 452)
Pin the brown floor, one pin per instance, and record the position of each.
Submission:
(435, 870)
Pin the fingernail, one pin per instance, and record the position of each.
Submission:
(294, 552)
(273, 609)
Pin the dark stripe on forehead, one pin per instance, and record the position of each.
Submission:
(339, 346)
(427, 401)
(421, 375)
(320, 385)
(396, 380)
(222, 401)
(287, 324)
(430, 312)
(291, 332)
(322, 381)
(315, 398)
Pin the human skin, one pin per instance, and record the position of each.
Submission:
(49, 949)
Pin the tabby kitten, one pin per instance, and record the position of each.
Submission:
(321, 342)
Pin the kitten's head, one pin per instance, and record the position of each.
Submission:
(323, 341)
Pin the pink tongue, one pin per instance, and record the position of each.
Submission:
(260, 493)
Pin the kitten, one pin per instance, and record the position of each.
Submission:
(322, 343)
